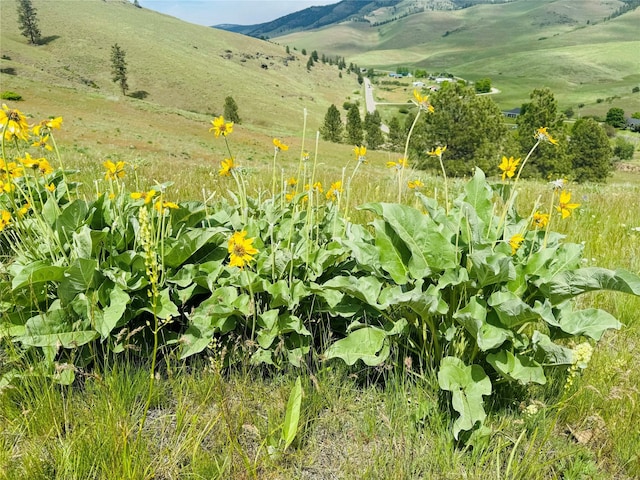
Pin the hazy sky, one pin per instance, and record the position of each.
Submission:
(241, 12)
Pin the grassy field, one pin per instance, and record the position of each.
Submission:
(209, 422)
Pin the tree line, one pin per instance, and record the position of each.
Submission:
(473, 129)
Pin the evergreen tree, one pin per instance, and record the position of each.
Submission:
(471, 126)
(372, 123)
(397, 137)
(354, 126)
(287, 50)
(314, 55)
(615, 117)
(546, 159)
(231, 110)
(119, 67)
(331, 129)
(28, 21)
(590, 151)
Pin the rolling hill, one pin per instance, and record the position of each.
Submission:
(565, 45)
(179, 75)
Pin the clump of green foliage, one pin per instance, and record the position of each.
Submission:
(468, 288)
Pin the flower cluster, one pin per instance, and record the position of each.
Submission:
(241, 249)
(581, 357)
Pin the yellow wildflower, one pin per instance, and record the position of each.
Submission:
(400, 164)
(437, 152)
(305, 156)
(540, 220)
(415, 184)
(114, 170)
(515, 243)
(279, 145)
(14, 123)
(6, 187)
(148, 196)
(220, 127)
(226, 166)
(37, 164)
(42, 143)
(292, 182)
(508, 166)
(360, 153)
(290, 196)
(564, 207)
(5, 219)
(334, 190)
(542, 134)
(241, 249)
(23, 210)
(422, 101)
(48, 124)
(316, 187)
(51, 187)
(161, 206)
(10, 169)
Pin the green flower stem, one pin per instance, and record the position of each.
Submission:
(273, 174)
(406, 152)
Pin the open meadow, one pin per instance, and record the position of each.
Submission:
(186, 298)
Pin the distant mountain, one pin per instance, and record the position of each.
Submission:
(374, 12)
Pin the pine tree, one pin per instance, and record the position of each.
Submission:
(354, 126)
(119, 67)
(372, 123)
(28, 21)
(590, 151)
(231, 110)
(331, 129)
(310, 63)
(397, 137)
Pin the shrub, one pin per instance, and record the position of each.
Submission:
(623, 150)
(8, 95)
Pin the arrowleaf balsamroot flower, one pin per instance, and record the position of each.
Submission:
(437, 152)
(37, 164)
(334, 190)
(278, 145)
(10, 169)
(564, 207)
(241, 249)
(48, 125)
(422, 101)
(226, 166)
(220, 127)
(399, 165)
(14, 123)
(42, 143)
(114, 170)
(360, 153)
(161, 207)
(5, 219)
(508, 166)
(542, 134)
(148, 196)
(515, 243)
(415, 184)
(540, 220)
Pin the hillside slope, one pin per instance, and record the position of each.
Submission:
(520, 45)
(174, 68)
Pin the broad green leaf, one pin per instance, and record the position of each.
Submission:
(71, 219)
(179, 250)
(366, 288)
(473, 317)
(430, 249)
(37, 272)
(65, 339)
(368, 344)
(517, 367)
(393, 253)
(511, 310)
(82, 242)
(112, 313)
(549, 353)
(292, 414)
(591, 322)
(275, 323)
(78, 278)
(478, 194)
(568, 284)
(467, 385)
(490, 268)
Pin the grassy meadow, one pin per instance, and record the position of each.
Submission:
(201, 418)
